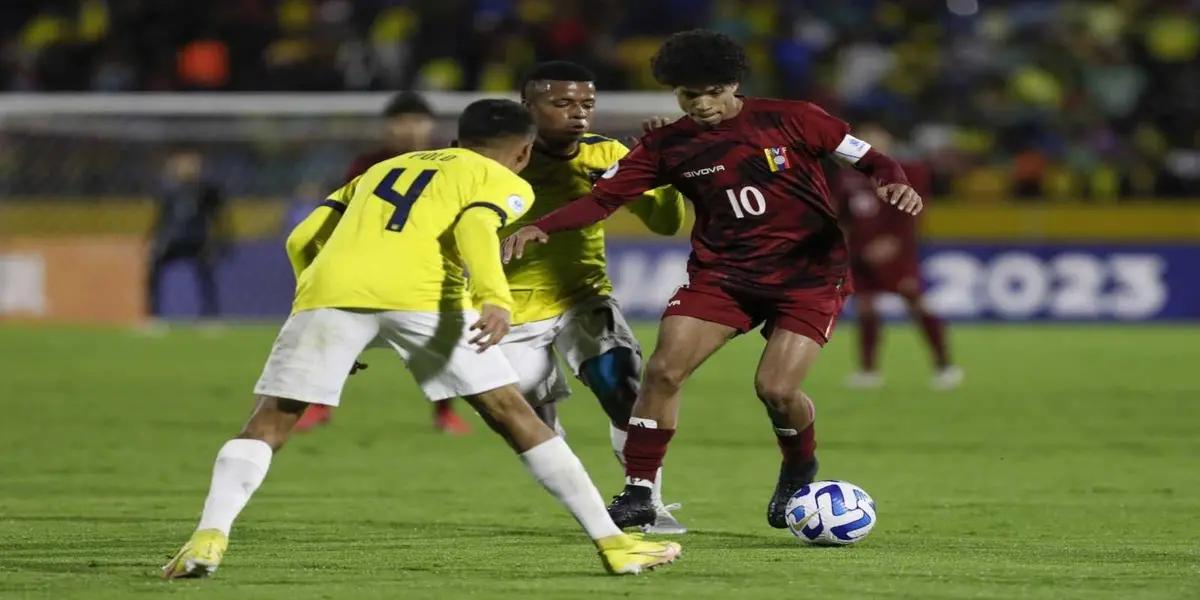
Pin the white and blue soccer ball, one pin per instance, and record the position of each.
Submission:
(830, 513)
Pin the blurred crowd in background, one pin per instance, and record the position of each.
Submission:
(1024, 98)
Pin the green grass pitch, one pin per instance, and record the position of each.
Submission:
(1068, 466)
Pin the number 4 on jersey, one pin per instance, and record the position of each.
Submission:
(749, 199)
(386, 191)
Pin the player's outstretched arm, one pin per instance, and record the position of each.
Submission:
(621, 184)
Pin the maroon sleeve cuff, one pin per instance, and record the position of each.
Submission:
(882, 168)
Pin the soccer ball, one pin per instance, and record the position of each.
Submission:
(830, 513)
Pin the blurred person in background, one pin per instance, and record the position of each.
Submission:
(191, 225)
(883, 259)
(408, 127)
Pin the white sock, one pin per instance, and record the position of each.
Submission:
(618, 437)
(656, 491)
(240, 468)
(558, 470)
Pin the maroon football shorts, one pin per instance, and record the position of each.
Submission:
(898, 276)
(810, 312)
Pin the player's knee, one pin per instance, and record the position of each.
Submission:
(663, 377)
(273, 420)
(548, 413)
(779, 397)
(613, 378)
(504, 406)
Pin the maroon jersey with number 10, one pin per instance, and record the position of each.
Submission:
(766, 247)
(764, 218)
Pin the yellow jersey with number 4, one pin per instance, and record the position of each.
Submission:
(552, 277)
(400, 236)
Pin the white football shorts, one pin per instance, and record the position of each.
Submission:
(315, 350)
(584, 331)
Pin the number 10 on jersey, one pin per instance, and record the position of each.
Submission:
(747, 201)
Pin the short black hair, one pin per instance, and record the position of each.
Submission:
(407, 103)
(557, 70)
(490, 119)
(699, 57)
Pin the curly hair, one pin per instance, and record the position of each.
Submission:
(698, 57)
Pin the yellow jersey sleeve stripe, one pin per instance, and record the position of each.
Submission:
(335, 205)
(489, 205)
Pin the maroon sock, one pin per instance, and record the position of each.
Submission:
(644, 451)
(798, 448)
(868, 340)
(935, 334)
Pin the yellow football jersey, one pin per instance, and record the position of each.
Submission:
(399, 236)
(552, 277)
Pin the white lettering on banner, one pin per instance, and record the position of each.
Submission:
(1082, 278)
(1017, 285)
(953, 289)
(1071, 285)
(644, 281)
(22, 284)
(1141, 291)
(1013, 284)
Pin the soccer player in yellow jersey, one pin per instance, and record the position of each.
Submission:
(562, 293)
(383, 262)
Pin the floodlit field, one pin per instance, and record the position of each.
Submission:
(1067, 467)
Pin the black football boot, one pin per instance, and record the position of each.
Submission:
(791, 478)
(632, 507)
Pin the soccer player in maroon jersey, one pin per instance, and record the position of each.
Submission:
(883, 259)
(409, 127)
(766, 249)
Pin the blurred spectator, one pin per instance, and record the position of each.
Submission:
(1083, 97)
(190, 226)
(408, 127)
